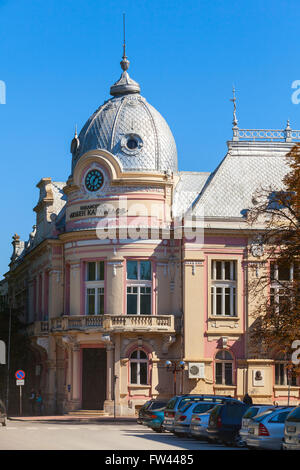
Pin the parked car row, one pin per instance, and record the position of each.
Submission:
(226, 420)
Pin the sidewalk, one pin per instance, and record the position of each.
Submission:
(73, 418)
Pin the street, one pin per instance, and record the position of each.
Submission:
(18, 435)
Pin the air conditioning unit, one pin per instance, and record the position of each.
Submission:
(196, 370)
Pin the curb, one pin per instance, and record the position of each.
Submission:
(72, 419)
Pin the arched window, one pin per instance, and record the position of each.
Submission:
(224, 368)
(139, 368)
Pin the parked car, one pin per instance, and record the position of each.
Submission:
(225, 422)
(292, 430)
(150, 405)
(177, 402)
(142, 411)
(253, 411)
(184, 415)
(199, 424)
(199, 421)
(266, 431)
(154, 417)
(3, 415)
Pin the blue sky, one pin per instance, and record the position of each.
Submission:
(59, 58)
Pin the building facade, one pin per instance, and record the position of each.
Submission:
(132, 263)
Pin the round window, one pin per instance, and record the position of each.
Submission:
(132, 144)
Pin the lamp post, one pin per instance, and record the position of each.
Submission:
(174, 367)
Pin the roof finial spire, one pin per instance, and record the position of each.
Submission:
(233, 99)
(125, 85)
(124, 62)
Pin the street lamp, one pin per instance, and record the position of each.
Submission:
(174, 367)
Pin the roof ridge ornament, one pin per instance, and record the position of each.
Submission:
(234, 121)
(125, 85)
(75, 142)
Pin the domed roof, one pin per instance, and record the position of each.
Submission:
(130, 128)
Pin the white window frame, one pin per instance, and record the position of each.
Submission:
(223, 284)
(96, 285)
(138, 361)
(139, 284)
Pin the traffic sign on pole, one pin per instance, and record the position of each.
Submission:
(20, 382)
(20, 375)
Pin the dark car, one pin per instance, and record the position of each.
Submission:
(3, 414)
(149, 406)
(142, 411)
(178, 402)
(225, 422)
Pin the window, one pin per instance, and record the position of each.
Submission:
(139, 287)
(284, 375)
(281, 278)
(223, 289)
(94, 288)
(223, 368)
(139, 368)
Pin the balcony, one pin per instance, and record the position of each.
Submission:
(38, 328)
(117, 323)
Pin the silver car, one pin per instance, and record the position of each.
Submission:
(253, 411)
(266, 430)
(183, 417)
(292, 430)
(199, 423)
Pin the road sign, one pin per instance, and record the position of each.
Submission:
(20, 382)
(20, 375)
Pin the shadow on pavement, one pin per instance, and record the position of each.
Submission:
(184, 442)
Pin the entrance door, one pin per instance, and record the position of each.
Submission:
(93, 378)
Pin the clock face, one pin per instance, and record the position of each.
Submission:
(94, 180)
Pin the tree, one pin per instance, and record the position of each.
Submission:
(276, 291)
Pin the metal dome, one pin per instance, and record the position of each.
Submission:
(130, 128)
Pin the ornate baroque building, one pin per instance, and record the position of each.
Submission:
(111, 286)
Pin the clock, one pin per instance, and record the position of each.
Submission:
(94, 180)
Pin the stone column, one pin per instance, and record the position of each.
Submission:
(51, 366)
(109, 404)
(55, 294)
(117, 382)
(109, 371)
(30, 315)
(75, 307)
(114, 288)
(76, 376)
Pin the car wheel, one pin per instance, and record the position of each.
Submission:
(159, 429)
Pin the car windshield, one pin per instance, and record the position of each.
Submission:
(185, 400)
(203, 407)
(262, 416)
(294, 415)
(157, 405)
(186, 406)
(279, 417)
(171, 404)
(253, 411)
